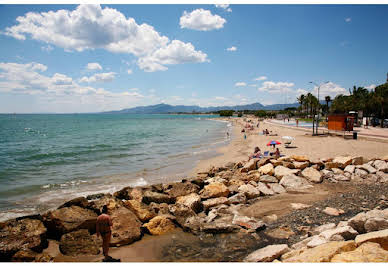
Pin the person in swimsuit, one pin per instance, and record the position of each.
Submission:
(103, 228)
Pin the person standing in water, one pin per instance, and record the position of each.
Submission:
(103, 228)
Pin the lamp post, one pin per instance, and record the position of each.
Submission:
(319, 86)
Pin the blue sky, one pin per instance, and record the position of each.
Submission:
(70, 58)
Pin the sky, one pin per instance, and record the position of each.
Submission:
(92, 58)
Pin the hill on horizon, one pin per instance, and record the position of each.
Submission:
(166, 108)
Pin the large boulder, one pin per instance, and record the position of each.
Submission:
(126, 227)
(268, 179)
(301, 165)
(208, 204)
(80, 201)
(322, 253)
(380, 237)
(142, 211)
(300, 158)
(312, 175)
(350, 169)
(182, 189)
(24, 255)
(376, 224)
(367, 252)
(248, 223)
(345, 233)
(214, 190)
(277, 188)
(181, 213)
(343, 161)
(193, 201)
(110, 201)
(266, 169)
(265, 189)
(249, 191)
(267, 254)
(293, 183)
(368, 168)
(281, 171)
(381, 166)
(239, 198)
(358, 221)
(23, 234)
(329, 165)
(79, 243)
(150, 196)
(249, 166)
(360, 173)
(159, 225)
(68, 219)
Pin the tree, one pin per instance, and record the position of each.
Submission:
(261, 113)
(226, 112)
(381, 98)
(327, 99)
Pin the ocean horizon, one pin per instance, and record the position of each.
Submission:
(46, 159)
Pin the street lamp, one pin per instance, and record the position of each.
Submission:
(319, 86)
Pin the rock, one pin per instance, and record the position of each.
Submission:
(214, 190)
(222, 225)
(277, 188)
(182, 189)
(262, 162)
(248, 222)
(316, 241)
(381, 166)
(80, 201)
(249, 166)
(150, 196)
(141, 210)
(312, 175)
(299, 206)
(368, 168)
(236, 182)
(292, 253)
(367, 252)
(126, 227)
(323, 253)
(383, 177)
(357, 160)
(79, 243)
(208, 204)
(327, 174)
(159, 225)
(281, 171)
(267, 254)
(289, 165)
(43, 257)
(299, 158)
(249, 191)
(346, 232)
(360, 172)
(275, 162)
(385, 158)
(293, 182)
(216, 179)
(268, 179)
(65, 220)
(343, 161)
(380, 237)
(239, 198)
(159, 209)
(285, 159)
(342, 177)
(323, 228)
(301, 165)
(283, 232)
(332, 211)
(266, 169)
(357, 222)
(350, 169)
(193, 201)
(24, 255)
(264, 189)
(108, 200)
(330, 165)
(376, 224)
(181, 213)
(22, 234)
(270, 218)
(337, 171)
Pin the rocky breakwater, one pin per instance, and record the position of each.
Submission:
(206, 204)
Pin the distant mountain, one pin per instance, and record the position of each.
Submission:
(166, 108)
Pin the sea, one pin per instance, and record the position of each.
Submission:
(46, 159)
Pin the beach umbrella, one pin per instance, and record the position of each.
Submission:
(273, 142)
(288, 138)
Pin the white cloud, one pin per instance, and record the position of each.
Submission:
(232, 49)
(260, 78)
(301, 91)
(129, 71)
(219, 98)
(348, 20)
(100, 77)
(60, 79)
(330, 89)
(202, 20)
(240, 84)
(91, 27)
(176, 98)
(94, 66)
(48, 48)
(225, 7)
(253, 85)
(370, 87)
(276, 87)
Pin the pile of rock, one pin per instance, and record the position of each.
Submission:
(363, 238)
(208, 203)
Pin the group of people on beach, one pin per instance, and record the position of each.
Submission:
(257, 153)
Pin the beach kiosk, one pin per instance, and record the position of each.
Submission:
(341, 122)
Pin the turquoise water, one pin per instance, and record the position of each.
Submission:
(46, 159)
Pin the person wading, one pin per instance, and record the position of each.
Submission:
(103, 228)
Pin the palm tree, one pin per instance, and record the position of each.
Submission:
(301, 101)
(327, 99)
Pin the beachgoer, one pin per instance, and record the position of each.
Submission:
(297, 122)
(103, 228)
(266, 132)
(243, 130)
(277, 153)
(245, 136)
(227, 134)
(256, 153)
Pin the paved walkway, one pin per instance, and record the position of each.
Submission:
(372, 133)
